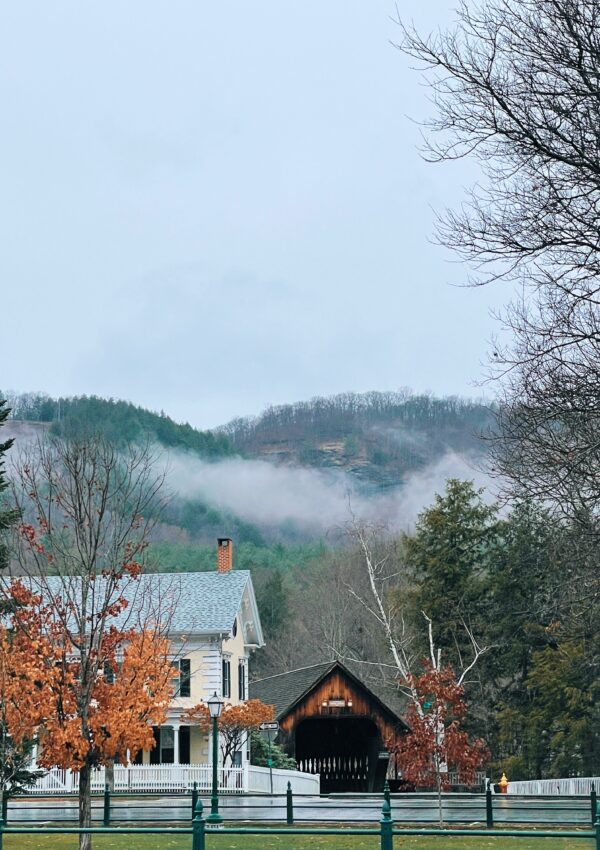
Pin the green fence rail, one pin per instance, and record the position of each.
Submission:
(386, 831)
(110, 807)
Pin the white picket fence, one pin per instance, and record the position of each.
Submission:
(578, 785)
(259, 780)
(136, 778)
(179, 778)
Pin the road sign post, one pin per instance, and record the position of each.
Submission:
(271, 728)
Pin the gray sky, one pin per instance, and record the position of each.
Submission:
(212, 207)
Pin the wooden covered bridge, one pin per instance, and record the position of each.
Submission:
(332, 724)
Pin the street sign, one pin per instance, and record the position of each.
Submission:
(269, 727)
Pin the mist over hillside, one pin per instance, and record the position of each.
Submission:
(378, 438)
(294, 474)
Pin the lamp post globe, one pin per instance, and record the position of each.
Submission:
(215, 707)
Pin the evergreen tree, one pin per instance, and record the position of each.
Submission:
(449, 555)
(8, 516)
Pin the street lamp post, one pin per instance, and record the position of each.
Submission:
(215, 707)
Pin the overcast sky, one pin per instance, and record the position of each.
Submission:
(207, 208)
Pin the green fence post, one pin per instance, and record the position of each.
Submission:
(489, 809)
(198, 829)
(5, 807)
(106, 817)
(290, 805)
(386, 793)
(387, 825)
(593, 803)
(194, 798)
(1, 833)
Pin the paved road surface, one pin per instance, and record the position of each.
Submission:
(406, 808)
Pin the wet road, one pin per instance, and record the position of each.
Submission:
(406, 808)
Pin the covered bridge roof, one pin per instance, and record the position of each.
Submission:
(285, 690)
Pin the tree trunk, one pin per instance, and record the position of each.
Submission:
(110, 775)
(85, 805)
(439, 792)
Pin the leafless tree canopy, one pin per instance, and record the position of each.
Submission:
(517, 86)
(88, 510)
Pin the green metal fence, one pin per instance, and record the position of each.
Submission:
(110, 809)
(385, 830)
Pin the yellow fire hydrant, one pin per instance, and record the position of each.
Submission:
(503, 784)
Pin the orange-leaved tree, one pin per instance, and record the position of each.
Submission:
(87, 510)
(436, 745)
(80, 724)
(24, 692)
(235, 723)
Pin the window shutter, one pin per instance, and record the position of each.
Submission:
(226, 681)
(241, 681)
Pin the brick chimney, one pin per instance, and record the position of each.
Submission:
(224, 554)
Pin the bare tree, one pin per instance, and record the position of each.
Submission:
(516, 86)
(388, 611)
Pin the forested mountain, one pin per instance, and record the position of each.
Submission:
(376, 440)
(377, 437)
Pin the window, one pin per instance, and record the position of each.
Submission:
(182, 680)
(241, 680)
(226, 679)
(167, 745)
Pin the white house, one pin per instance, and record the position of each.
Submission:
(213, 625)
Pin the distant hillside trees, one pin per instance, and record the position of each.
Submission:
(349, 413)
(119, 422)
(378, 436)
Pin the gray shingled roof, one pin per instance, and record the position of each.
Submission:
(194, 602)
(284, 690)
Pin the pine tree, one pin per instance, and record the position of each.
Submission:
(449, 553)
(8, 516)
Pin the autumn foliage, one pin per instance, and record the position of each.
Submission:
(436, 745)
(235, 722)
(41, 686)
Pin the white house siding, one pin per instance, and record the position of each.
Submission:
(210, 681)
(206, 657)
(235, 649)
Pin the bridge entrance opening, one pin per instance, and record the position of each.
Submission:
(344, 751)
